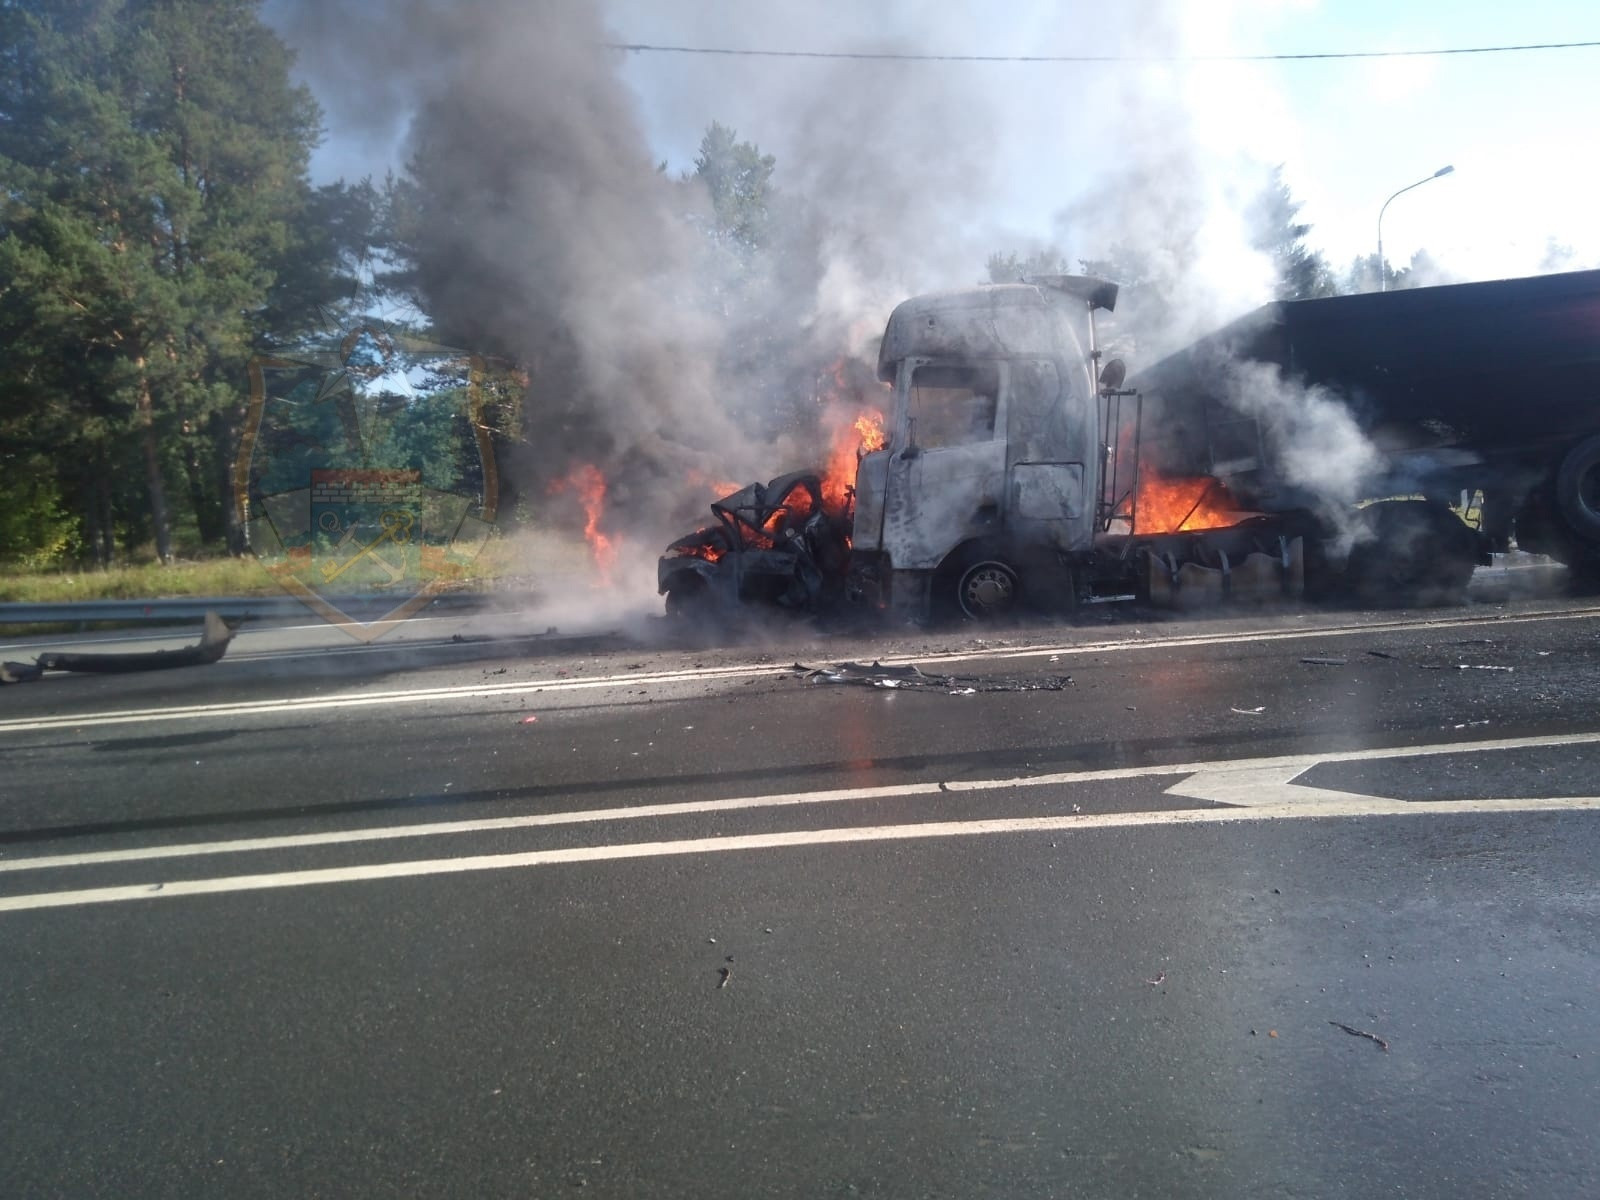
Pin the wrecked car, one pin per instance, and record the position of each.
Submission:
(774, 544)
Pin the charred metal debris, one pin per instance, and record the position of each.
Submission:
(212, 645)
(910, 678)
(773, 544)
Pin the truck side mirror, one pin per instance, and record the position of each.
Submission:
(1112, 375)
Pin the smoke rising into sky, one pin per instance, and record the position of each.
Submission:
(569, 247)
(566, 241)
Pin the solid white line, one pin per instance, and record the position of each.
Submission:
(1241, 776)
(773, 841)
(633, 679)
(368, 699)
(481, 825)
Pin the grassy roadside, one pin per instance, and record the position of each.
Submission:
(138, 581)
(503, 562)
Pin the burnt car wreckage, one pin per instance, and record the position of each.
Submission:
(1017, 462)
(773, 544)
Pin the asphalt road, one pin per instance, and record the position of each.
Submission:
(1289, 904)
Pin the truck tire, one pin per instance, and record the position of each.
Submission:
(988, 590)
(976, 583)
(1578, 489)
(1418, 553)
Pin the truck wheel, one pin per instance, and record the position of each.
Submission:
(987, 590)
(1578, 489)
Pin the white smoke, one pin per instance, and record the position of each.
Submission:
(1313, 439)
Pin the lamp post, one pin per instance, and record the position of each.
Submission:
(1383, 280)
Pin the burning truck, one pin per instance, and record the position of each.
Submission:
(1015, 467)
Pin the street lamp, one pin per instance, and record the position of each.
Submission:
(1383, 281)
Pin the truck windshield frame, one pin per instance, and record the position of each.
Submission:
(953, 404)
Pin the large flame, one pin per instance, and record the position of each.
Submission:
(853, 436)
(588, 484)
(1173, 504)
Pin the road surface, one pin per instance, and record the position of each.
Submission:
(1300, 903)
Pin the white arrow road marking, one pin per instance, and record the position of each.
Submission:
(1248, 786)
(1248, 782)
(774, 841)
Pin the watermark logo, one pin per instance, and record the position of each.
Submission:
(366, 478)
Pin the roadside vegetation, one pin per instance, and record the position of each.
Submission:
(515, 562)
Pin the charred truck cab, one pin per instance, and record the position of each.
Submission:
(987, 478)
(1010, 476)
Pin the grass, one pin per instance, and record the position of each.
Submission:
(138, 581)
(505, 562)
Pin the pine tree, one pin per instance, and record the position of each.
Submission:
(152, 169)
(1302, 273)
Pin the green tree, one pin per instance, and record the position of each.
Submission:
(1011, 267)
(1422, 271)
(738, 178)
(152, 182)
(1302, 273)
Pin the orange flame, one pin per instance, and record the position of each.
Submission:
(851, 439)
(1171, 504)
(717, 487)
(586, 481)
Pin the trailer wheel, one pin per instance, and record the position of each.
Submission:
(1419, 552)
(988, 590)
(1578, 488)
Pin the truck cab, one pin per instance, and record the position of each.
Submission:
(991, 470)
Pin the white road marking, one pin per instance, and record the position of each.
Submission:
(249, 708)
(772, 841)
(1249, 782)
(245, 708)
(1257, 786)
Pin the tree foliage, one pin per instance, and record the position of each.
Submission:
(1300, 272)
(1011, 267)
(153, 198)
(738, 178)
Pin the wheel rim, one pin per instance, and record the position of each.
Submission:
(988, 589)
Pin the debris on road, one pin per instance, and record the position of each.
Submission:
(528, 720)
(1160, 978)
(1481, 667)
(910, 677)
(726, 974)
(1325, 662)
(213, 644)
(1249, 712)
(1361, 1033)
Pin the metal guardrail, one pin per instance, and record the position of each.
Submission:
(233, 608)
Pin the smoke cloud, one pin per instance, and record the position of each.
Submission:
(1314, 440)
(554, 237)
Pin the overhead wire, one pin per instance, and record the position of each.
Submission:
(897, 56)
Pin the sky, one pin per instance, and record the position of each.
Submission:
(1519, 128)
